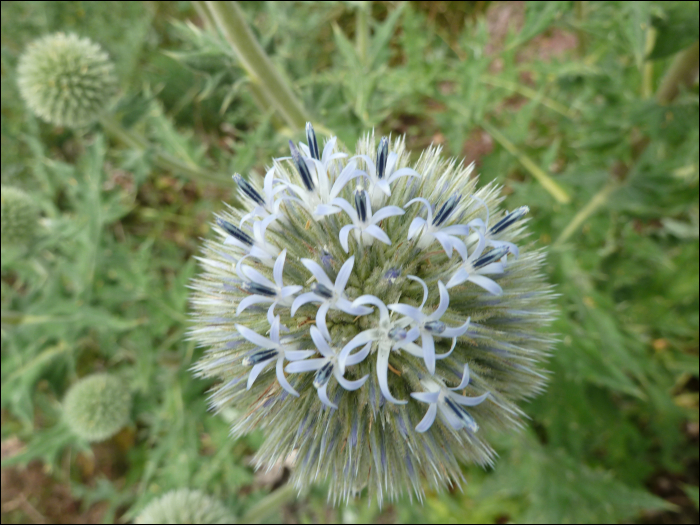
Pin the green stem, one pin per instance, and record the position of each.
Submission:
(529, 93)
(648, 68)
(681, 72)
(362, 31)
(270, 504)
(540, 175)
(163, 160)
(598, 200)
(231, 22)
(580, 8)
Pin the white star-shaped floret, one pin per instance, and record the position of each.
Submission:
(489, 232)
(328, 365)
(434, 229)
(266, 203)
(364, 222)
(271, 349)
(255, 245)
(430, 325)
(476, 266)
(449, 403)
(328, 294)
(265, 291)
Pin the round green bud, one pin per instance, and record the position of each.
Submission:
(185, 506)
(20, 216)
(97, 407)
(66, 80)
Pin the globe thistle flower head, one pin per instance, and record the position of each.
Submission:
(97, 407)
(20, 216)
(185, 506)
(399, 306)
(66, 80)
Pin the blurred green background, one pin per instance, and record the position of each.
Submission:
(566, 104)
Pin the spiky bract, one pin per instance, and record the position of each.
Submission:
(97, 407)
(66, 80)
(20, 216)
(185, 506)
(406, 317)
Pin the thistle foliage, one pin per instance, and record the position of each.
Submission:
(66, 80)
(372, 316)
(185, 506)
(97, 407)
(20, 216)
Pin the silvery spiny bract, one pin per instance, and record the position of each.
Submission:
(371, 316)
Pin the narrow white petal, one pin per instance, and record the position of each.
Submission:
(403, 172)
(328, 149)
(425, 203)
(343, 236)
(458, 278)
(283, 380)
(308, 365)
(255, 338)
(323, 396)
(382, 371)
(321, 320)
(470, 401)
(378, 233)
(429, 352)
(251, 300)
(296, 355)
(487, 284)
(428, 419)
(465, 378)
(444, 302)
(349, 173)
(347, 307)
(348, 384)
(255, 372)
(447, 354)
(279, 268)
(348, 208)
(367, 336)
(409, 311)
(376, 301)
(288, 291)
(326, 209)
(303, 299)
(492, 269)
(425, 288)
(446, 242)
(317, 272)
(426, 397)
(416, 225)
(360, 356)
(457, 331)
(275, 330)
(344, 274)
(386, 211)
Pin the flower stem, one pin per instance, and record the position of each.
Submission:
(362, 31)
(682, 71)
(163, 160)
(545, 180)
(269, 504)
(598, 200)
(231, 22)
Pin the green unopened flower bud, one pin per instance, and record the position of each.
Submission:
(66, 80)
(97, 407)
(20, 216)
(185, 506)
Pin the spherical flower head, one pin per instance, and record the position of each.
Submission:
(66, 80)
(185, 506)
(97, 407)
(20, 216)
(376, 319)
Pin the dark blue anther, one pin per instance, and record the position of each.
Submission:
(435, 327)
(461, 413)
(235, 232)
(446, 210)
(509, 220)
(259, 357)
(493, 256)
(391, 275)
(323, 375)
(302, 168)
(382, 157)
(397, 334)
(259, 289)
(248, 190)
(322, 290)
(311, 141)
(361, 205)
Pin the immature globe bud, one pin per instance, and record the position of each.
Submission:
(20, 217)
(371, 317)
(185, 506)
(66, 80)
(97, 407)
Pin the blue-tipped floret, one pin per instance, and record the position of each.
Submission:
(361, 204)
(248, 190)
(311, 141)
(382, 157)
(235, 232)
(446, 210)
(509, 220)
(492, 256)
(302, 168)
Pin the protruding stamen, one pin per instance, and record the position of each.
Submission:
(302, 168)
(235, 232)
(382, 156)
(322, 290)
(493, 256)
(462, 414)
(446, 210)
(361, 204)
(259, 289)
(248, 189)
(323, 375)
(435, 327)
(397, 334)
(509, 220)
(259, 357)
(311, 141)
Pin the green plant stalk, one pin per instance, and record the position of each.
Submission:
(581, 11)
(362, 31)
(682, 71)
(269, 504)
(231, 22)
(529, 93)
(598, 200)
(540, 175)
(648, 68)
(163, 160)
